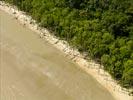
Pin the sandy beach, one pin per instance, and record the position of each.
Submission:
(89, 66)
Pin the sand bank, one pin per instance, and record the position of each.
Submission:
(90, 66)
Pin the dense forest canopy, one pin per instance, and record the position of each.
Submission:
(103, 29)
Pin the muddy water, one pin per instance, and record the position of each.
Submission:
(32, 69)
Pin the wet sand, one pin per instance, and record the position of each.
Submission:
(32, 69)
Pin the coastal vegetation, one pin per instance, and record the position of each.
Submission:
(101, 29)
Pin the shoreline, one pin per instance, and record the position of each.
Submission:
(89, 66)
